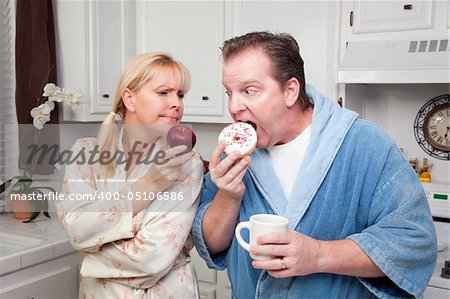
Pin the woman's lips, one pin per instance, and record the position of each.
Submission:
(170, 118)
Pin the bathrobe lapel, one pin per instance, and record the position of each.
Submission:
(266, 181)
(330, 124)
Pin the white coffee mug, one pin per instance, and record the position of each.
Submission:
(259, 225)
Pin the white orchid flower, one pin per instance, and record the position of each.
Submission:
(77, 102)
(52, 92)
(76, 105)
(41, 114)
(50, 104)
(72, 97)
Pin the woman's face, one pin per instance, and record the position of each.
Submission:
(159, 101)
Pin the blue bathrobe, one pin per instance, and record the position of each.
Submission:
(354, 183)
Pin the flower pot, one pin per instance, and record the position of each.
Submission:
(22, 208)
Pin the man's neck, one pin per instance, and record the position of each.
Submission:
(297, 122)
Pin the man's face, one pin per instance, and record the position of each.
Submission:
(254, 96)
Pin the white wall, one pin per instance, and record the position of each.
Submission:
(394, 108)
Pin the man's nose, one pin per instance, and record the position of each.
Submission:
(235, 104)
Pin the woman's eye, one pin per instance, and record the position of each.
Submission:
(162, 93)
(228, 93)
(181, 95)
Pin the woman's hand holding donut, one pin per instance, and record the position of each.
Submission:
(228, 173)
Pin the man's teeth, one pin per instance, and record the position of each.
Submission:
(251, 123)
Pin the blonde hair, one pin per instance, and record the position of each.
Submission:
(136, 74)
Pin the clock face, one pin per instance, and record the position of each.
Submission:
(432, 127)
(437, 127)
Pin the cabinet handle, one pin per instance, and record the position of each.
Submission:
(339, 101)
(351, 18)
(205, 98)
(407, 6)
(106, 96)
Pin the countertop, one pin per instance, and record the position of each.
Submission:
(25, 244)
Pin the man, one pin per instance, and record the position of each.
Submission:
(360, 225)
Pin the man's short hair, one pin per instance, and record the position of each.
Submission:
(283, 52)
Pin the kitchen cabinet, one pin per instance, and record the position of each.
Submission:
(94, 40)
(378, 20)
(192, 31)
(383, 16)
(56, 279)
(212, 284)
(423, 24)
(436, 293)
(313, 24)
(448, 16)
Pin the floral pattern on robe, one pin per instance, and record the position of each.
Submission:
(130, 256)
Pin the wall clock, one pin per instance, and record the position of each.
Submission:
(432, 127)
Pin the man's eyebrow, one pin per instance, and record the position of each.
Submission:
(243, 83)
(248, 82)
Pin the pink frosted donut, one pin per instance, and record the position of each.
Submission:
(239, 137)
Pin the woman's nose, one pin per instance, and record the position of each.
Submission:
(175, 101)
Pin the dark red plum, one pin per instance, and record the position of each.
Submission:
(179, 135)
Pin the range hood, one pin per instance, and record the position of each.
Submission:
(396, 61)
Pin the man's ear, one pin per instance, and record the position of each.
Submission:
(291, 91)
(128, 100)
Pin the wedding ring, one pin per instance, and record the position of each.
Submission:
(283, 263)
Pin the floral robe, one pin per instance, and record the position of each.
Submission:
(130, 256)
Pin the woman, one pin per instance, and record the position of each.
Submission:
(134, 228)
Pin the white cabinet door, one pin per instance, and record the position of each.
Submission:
(448, 15)
(192, 31)
(395, 19)
(436, 293)
(382, 16)
(94, 41)
(112, 44)
(212, 284)
(47, 285)
(54, 279)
